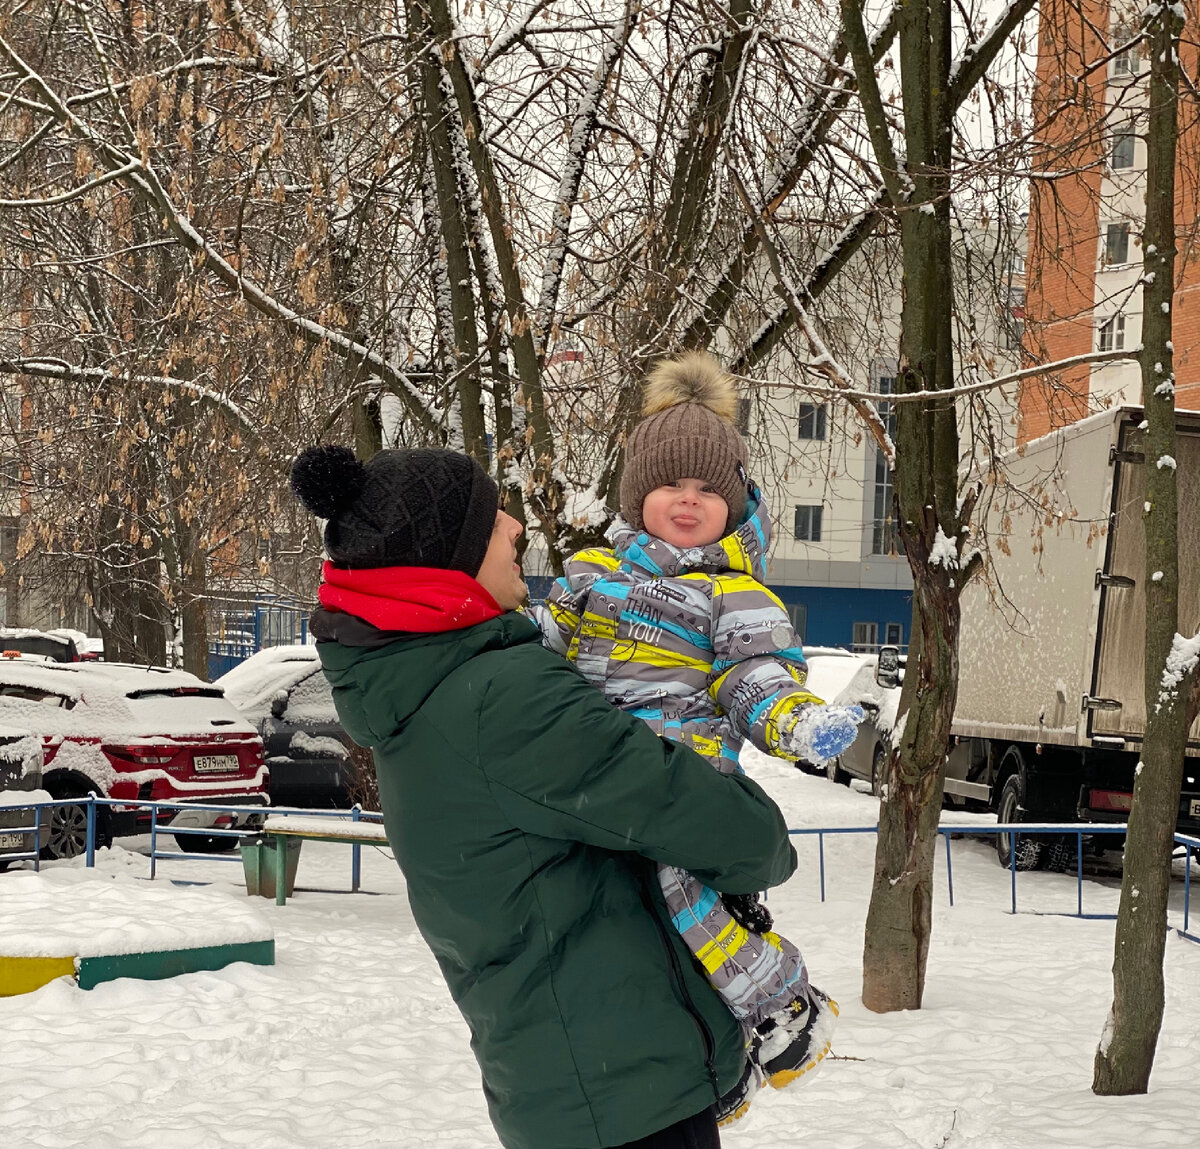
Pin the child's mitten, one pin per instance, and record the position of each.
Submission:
(822, 732)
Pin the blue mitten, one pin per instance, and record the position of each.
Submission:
(822, 732)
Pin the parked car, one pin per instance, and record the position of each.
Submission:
(20, 781)
(48, 645)
(830, 668)
(283, 691)
(135, 732)
(867, 756)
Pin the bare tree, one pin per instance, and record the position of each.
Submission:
(1125, 1055)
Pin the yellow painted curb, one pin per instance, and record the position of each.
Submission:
(25, 974)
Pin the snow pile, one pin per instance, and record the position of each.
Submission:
(1182, 661)
(70, 911)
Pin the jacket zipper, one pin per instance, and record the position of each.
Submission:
(689, 1004)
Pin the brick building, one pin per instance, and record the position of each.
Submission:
(1084, 266)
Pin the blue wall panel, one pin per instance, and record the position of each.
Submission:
(833, 611)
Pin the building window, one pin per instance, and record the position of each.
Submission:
(883, 530)
(808, 524)
(893, 634)
(743, 417)
(812, 421)
(1122, 156)
(866, 637)
(1116, 243)
(1112, 333)
(797, 613)
(1128, 61)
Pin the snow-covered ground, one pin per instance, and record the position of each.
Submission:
(342, 1043)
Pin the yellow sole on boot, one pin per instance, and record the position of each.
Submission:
(736, 1115)
(786, 1076)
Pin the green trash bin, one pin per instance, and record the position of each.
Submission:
(260, 861)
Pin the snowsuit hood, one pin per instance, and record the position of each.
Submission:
(527, 814)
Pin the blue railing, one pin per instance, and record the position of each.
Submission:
(259, 813)
(1075, 829)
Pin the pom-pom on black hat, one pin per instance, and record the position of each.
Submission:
(426, 507)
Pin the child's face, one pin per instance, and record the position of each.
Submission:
(685, 513)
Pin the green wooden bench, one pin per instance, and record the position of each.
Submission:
(314, 828)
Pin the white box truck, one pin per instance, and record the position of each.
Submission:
(1051, 703)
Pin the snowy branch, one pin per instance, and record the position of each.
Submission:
(56, 369)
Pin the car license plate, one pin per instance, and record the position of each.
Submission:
(1195, 808)
(11, 841)
(215, 763)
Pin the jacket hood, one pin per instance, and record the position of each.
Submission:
(389, 675)
(742, 551)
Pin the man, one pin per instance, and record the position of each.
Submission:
(526, 814)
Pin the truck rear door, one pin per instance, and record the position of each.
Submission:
(1117, 704)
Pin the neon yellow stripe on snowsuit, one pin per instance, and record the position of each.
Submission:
(739, 557)
(629, 651)
(563, 617)
(713, 955)
(601, 557)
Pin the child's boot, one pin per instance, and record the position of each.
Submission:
(736, 1103)
(794, 1040)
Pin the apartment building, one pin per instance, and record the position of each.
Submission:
(1084, 264)
(836, 563)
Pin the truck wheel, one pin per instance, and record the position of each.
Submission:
(1010, 809)
(879, 771)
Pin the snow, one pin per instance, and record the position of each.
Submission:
(70, 911)
(1182, 661)
(943, 552)
(10, 799)
(316, 745)
(352, 1039)
(106, 700)
(830, 670)
(252, 685)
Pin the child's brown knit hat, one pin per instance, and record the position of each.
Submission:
(687, 433)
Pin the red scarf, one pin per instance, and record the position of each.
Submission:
(428, 600)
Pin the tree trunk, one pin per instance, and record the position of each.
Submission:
(899, 919)
(1125, 1055)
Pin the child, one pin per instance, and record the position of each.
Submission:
(675, 625)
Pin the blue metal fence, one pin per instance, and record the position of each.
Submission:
(91, 802)
(1076, 829)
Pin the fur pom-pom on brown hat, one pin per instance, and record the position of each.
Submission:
(689, 407)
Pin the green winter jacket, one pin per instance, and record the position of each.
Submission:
(524, 811)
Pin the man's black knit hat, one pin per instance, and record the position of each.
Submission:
(419, 508)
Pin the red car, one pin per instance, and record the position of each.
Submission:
(135, 732)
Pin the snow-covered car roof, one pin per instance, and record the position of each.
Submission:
(105, 700)
(862, 687)
(829, 669)
(251, 685)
